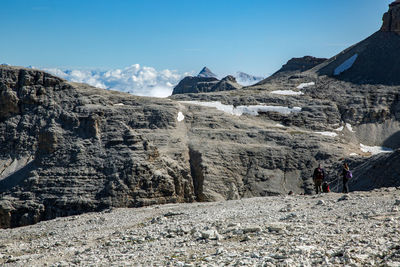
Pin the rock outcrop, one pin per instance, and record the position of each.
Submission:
(195, 85)
(369, 174)
(205, 85)
(226, 84)
(391, 19)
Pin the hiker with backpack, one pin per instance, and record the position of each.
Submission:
(318, 178)
(347, 175)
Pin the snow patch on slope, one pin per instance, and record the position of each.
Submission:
(286, 92)
(349, 127)
(330, 134)
(375, 149)
(180, 117)
(345, 65)
(253, 110)
(304, 85)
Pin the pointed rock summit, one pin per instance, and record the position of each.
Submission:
(206, 73)
(391, 19)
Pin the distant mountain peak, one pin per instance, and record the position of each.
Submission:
(247, 79)
(206, 73)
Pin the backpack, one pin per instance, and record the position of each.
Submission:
(349, 175)
(325, 187)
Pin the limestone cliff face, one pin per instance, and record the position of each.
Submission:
(70, 148)
(67, 149)
(391, 19)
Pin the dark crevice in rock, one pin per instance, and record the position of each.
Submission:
(196, 170)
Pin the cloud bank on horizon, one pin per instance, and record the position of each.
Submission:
(135, 79)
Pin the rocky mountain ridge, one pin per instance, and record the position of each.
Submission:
(206, 81)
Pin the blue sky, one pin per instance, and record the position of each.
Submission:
(254, 36)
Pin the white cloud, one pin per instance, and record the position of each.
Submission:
(135, 79)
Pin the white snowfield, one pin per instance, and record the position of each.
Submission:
(339, 129)
(180, 117)
(304, 85)
(345, 65)
(349, 127)
(330, 134)
(241, 110)
(286, 92)
(375, 149)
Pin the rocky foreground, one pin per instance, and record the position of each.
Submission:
(358, 229)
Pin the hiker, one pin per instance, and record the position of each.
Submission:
(318, 178)
(347, 175)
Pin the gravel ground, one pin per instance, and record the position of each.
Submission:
(358, 229)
